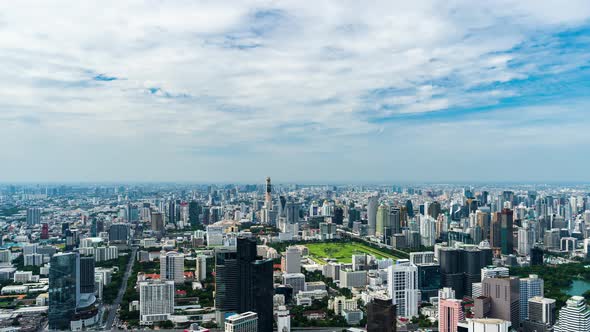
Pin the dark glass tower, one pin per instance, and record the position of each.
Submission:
(64, 289)
(86, 274)
(381, 316)
(244, 283)
(506, 236)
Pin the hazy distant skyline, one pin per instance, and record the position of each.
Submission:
(330, 91)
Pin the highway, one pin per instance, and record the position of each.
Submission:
(115, 306)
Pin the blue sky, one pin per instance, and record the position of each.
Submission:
(330, 91)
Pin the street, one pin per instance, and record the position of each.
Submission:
(115, 306)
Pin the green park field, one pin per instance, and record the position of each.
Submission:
(342, 252)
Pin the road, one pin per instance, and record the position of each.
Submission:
(115, 306)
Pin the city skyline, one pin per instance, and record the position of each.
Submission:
(324, 93)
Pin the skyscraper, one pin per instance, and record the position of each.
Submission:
(403, 287)
(64, 289)
(506, 237)
(372, 203)
(382, 220)
(172, 266)
(381, 316)
(574, 317)
(504, 299)
(529, 288)
(157, 222)
(244, 283)
(460, 268)
(87, 275)
(268, 194)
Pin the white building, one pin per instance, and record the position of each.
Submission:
(172, 266)
(5, 256)
(574, 317)
(31, 248)
(494, 271)
(23, 276)
(424, 257)
(529, 288)
(33, 260)
(526, 239)
(283, 319)
(245, 322)
(156, 301)
(403, 287)
(486, 325)
(428, 231)
(214, 236)
(101, 254)
(292, 260)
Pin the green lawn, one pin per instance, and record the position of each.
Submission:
(342, 251)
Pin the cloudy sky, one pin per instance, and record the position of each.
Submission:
(323, 91)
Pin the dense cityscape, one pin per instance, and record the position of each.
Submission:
(264, 257)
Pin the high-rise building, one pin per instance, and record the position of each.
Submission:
(494, 271)
(172, 212)
(268, 194)
(536, 256)
(244, 283)
(574, 317)
(372, 203)
(501, 299)
(64, 289)
(450, 312)
(460, 268)
(422, 257)
(119, 233)
(526, 239)
(541, 315)
(381, 316)
(428, 280)
(403, 287)
(33, 216)
(529, 288)
(157, 222)
(201, 268)
(172, 266)
(292, 260)
(506, 237)
(244, 322)
(485, 325)
(86, 275)
(382, 220)
(156, 300)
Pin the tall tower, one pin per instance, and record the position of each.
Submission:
(267, 197)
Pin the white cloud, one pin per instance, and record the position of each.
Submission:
(263, 76)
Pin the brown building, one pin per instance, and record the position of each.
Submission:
(501, 299)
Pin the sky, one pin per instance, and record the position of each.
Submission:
(302, 91)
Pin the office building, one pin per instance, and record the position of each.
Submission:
(381, 315)
(460, 268)
(64, 290)
(500, 299)
(351, 279)
(243, 283)
(529, 288)
(157, 222)
(372, 204)
(536, 256)
(33, 216)
(450, 312)
(87, 275)
(541, 315)
(526, 239)
(156, 301)
(244, 322)
(283, 319)
(296, 281)
(172, 266)
(201, 268)
(428, 280)
(424, 257)
(119, 233)
(403, 288)
(574, 317)
(506, 237)
(292, 260)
